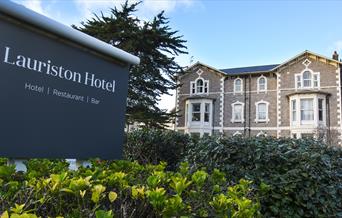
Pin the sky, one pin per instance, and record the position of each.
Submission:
(226, 33)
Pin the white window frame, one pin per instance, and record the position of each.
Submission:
(313, 111)
(258, 84)
(241, 86)
(257, 120)
(205, 87)
(302, 124)
(301, 80)
(233, 120)
(201, 122)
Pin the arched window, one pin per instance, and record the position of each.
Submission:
(307, 77)
(262, 83)
(238, 85)
(199, 85)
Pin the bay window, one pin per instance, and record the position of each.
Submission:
(199, 112)
(206, 112)
(196, 112)
(306, 110)
(320, 109)
(199, 116)
(294, 110)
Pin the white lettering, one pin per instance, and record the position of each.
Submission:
(7, 49)
(57, 71)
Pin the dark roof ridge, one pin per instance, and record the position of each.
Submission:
(249, 69)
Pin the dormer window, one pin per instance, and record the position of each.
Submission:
(307, 80)
(199, 86)
(262, 84)
(238, 85)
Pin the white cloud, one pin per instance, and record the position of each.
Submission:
(146, 8)
(35, 5)
(165, 5)
(89, 7)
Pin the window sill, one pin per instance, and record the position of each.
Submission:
(237, 121)
(262, 121)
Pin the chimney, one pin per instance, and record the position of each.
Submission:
(335, 56)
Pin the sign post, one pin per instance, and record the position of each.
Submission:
(63, 93)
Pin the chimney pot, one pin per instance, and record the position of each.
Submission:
(335, 56)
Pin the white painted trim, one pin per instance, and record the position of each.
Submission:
(313, 74)
(273, 90)
(339, 106)
(194, 83)
(258, 84)
(258, 128)
(302, 124)
(177, 103)
(261, 133)
(44, 23)
(242, 112)
(241, 86)
(257, 120)
(199, 72)
(278, 115)
(201, 125)
(237, 133)
(222, 104)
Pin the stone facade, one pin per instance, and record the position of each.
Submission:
(293, 99)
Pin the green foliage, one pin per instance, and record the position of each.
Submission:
(296, 178)
(154, 146)
(156, 44)
(123, 189)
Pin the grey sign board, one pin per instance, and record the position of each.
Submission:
(58, 99)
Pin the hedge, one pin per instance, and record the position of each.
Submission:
(121, 189)
(303, 177)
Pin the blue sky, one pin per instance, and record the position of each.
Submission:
(227, 33)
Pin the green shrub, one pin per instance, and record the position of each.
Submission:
(303, 177)
(155, 145)
(126, 189)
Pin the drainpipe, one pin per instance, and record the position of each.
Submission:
(213, 118)
(328, 117)
(249, 106)
(245, 108)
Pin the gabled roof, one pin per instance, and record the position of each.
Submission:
(261, 68)
(307, 52)
(204, 65)
(252, 69)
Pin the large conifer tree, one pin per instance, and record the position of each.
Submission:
(155, 44)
